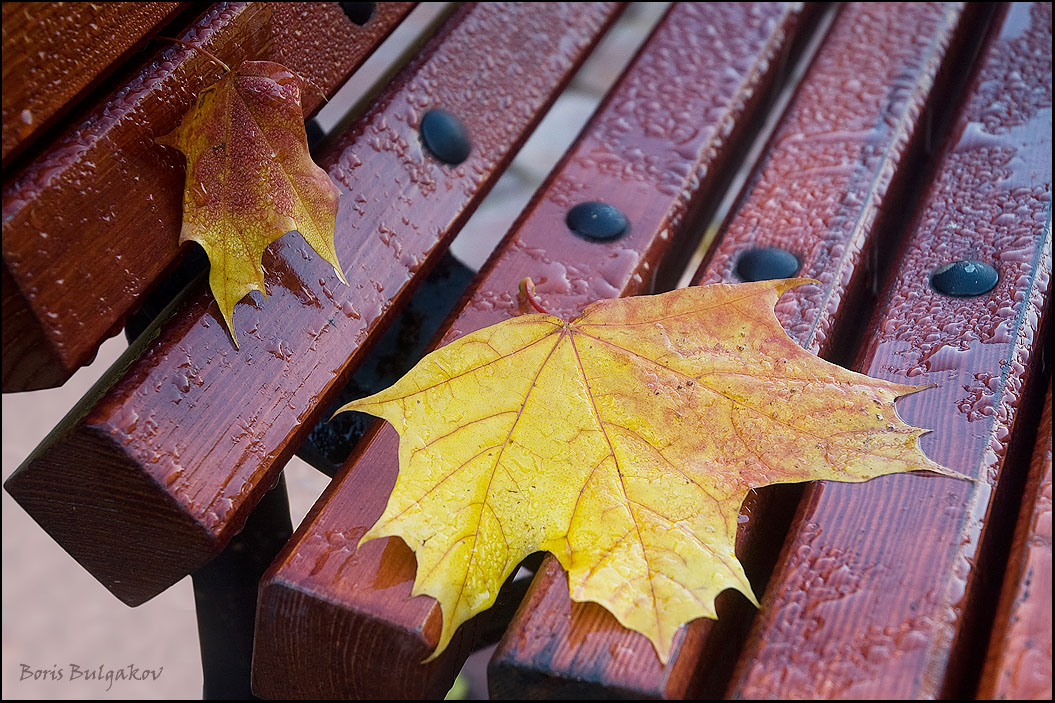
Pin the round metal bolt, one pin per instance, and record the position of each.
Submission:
(597, 220)
(359, 12)
(445, 137)
(766, 264)
(963, 279)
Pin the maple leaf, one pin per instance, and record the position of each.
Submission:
(250, 178)
(623, 442)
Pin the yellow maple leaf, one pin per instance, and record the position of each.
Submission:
(623, 442)
(250, 178)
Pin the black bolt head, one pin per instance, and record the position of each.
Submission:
(445, 137)
(963, 279)
(359, 12)
(597, 220)
(766, 264)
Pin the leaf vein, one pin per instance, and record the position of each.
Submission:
(622, 482)
(498, 459)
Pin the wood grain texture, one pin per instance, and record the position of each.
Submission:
(1019, 662)
(837, 164)
(55, 52)
(875, 595)
(208, 426)
(94, 220)
(641, 154)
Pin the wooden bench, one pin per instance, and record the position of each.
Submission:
(918, 137)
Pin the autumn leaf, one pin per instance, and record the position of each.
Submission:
(623, 442)
(250, 178)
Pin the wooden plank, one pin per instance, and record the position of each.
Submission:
(876, 594)
(844, 156)
(640, 154)
(837, 166)
(1018, 666)
(92, 222)
(165, 464)
(55, 52)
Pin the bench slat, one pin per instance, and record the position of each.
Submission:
(94, 220)
(874, 598)
(189, 439)
(334, 621)
(1019, 662)
(55, 52)
(837, 167)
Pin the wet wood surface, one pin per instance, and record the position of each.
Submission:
(1018, 666)
(878, 592)
(93, 221)
(829, 189)
(662, 179)
(190, 436)
(55, 52)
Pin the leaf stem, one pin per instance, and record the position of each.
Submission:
(208, 53)
(527, 289)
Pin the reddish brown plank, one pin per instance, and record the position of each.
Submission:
(55, 52)
(190, 438)
(875, 596)
(837, 164)
(641, 154)
(94, 220)
(1019, 662)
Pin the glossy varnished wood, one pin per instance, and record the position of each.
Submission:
(1019, 662)
(877, 591)
(94, 219)
(55, 52)
(336, 621)
(199, 428)
(839, 161)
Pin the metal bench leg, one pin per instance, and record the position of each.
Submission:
(225, 593)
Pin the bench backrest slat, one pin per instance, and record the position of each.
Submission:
(1018, 665)
(56, 52)
(93, 222)
(660, 180)
(838, 159)
(879, 588)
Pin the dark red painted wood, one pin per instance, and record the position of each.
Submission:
(165, 464)
(659, 149)
(876, 595)
(55, 52)
(94, 220)
(836, 167)
(1018, 666)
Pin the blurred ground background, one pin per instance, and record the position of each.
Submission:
(55, 614)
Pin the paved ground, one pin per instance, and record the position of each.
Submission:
(56, 618)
